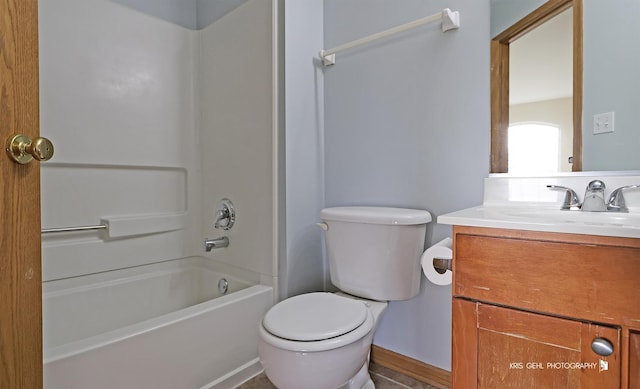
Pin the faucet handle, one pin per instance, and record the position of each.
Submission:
(571, 201)
(225, 215)
(616, 200)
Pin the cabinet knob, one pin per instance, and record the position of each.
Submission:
(602, 347)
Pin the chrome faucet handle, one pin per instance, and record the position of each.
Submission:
(616, 200)
(222, 218)
(571, 201)
(225, 215)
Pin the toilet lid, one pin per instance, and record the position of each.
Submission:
(314, 316)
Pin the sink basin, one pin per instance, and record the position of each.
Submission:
(547, 219)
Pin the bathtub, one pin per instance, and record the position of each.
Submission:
(165, 325)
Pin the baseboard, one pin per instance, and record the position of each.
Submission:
(411, 367)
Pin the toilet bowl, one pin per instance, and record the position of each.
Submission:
(322, 340)
(318, 340)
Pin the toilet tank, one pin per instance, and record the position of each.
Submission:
(374, 252)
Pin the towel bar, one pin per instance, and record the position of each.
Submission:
(74, 229)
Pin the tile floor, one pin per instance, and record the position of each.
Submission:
(382, 377)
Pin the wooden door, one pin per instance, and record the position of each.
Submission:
(20, 269)
(508, 348)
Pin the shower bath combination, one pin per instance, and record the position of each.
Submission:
(137, 106)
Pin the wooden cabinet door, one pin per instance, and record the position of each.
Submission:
(508, 348)
(634, 360)
(20, 277)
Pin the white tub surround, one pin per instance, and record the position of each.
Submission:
(526, 203)
(137, 106)
(237, 94)
(117, 97)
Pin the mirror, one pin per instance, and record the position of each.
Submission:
(601, 83)
(501, 62)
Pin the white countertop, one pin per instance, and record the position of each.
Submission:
(541, 218)
(525, 203)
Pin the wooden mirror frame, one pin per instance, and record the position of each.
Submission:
(500, 80)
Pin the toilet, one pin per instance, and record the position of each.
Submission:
(322, 340)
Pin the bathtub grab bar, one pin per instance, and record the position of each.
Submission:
(74, 229)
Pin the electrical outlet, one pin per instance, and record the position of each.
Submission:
(603, 123)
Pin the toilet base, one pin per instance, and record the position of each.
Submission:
(362, 380)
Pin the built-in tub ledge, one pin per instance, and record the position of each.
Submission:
(121, 226)
(545, 218)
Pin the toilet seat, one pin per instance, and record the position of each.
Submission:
(314, 316)
(316, 322)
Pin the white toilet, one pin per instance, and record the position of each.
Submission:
(322, 340)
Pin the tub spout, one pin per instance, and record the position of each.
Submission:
(216, 243)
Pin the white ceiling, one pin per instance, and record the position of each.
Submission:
(541, 62)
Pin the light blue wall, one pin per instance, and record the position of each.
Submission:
(504, 13)
(303, 269)
(407, 125)
(611, 83)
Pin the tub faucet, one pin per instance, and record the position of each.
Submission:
(594, 197)
(217, 243)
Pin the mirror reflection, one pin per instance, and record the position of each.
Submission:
(609, 82)
(540, 134)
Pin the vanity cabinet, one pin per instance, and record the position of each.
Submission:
(528, 305)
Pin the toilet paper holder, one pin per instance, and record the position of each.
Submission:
(442, 264)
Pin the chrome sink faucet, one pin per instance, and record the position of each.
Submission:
(594, 198)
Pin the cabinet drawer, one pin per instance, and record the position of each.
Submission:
(595, 282)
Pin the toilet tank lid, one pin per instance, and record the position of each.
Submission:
(376, 215)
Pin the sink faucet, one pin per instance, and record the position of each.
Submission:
(594, 197)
